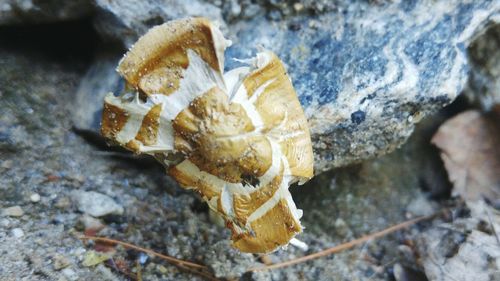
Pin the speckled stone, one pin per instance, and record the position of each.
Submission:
(365, 73)
(14, 211)
(463, 249)
(32, 11)
(126, 20)
(361, 199)
(17, 233)
(484, 86)
(96, 204)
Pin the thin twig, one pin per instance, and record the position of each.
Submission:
(345, 246)
(181, 264)
(148, 251)
(205, 274)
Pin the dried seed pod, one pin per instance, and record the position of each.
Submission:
(239, 139)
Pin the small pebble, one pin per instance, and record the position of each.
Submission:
(162, 269)
(78, 253)
(14, 211)
(96, 204)
(17, 232)
(5, 222)
(406, 253)
(63, 203)
(60, 262)
(143, 258)
(420, 206)
(106, 273)
(91, 222)
(7, 164)
(341, 227)
(70, 274)
(298, 7)
(35, 198)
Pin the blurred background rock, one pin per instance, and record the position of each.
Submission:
(366, 73)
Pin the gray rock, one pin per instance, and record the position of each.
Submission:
(420, 206)
(70, 274)
(126, 20)
(465, 249)
(35, 198)
(226, 261)
(99, 80)
(402, 273)
(366, 197)
(32, 11)
(59, 262)
(36, 97)
(14, 211)
(5, 223)
(96, 204)
(365, 73)
(91, 223)
(350, 202)
(484, 85)
(362, 199)
(17, 233)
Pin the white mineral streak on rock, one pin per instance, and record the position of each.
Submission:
(430, 20)
(352, 97)
(478, 19)
(338, 47)
(406, 87)
(427, 52)
(453, 80)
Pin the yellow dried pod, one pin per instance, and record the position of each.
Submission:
(239, 139)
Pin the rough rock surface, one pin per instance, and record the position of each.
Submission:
(466, 249)
(375, 71)
(33, 11)
(364, 72)
(367, 48)
(96, 204)
(41, 154)
(484, 85)
(126, 20)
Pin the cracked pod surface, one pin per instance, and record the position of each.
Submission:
(239, 139)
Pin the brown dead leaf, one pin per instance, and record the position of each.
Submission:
(470, 149)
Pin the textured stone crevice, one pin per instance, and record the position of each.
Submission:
(483, 86)
(41, 100)
(365, 72)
